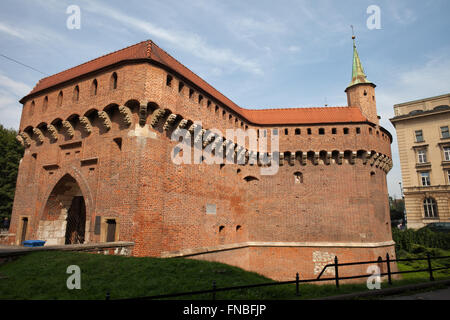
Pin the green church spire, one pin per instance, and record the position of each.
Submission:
(358, 75)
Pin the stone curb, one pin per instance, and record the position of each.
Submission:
(6, 252)
(387, 292)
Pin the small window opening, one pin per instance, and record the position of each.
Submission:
(297, 132)
(286, 132)
(298, 177)
(76, 93)
(45, 104)
(346, 130)
(32, 107)
(118, 141)
(334, 131)
(309, 131)
(113, 84)
(191, 93)
(60, 99)
(180, 86)
(94, 87)
(169, 80)
(221, 228)
(322, 131)
(358, 130)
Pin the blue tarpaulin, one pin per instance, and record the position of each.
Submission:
(33, 243)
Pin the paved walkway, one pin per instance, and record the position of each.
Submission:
(442, 294)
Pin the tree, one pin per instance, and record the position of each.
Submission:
(397, 208)
(11, 151)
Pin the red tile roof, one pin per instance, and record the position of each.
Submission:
(148, 50)
(305, 115)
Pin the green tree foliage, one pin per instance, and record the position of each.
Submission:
(397, 207)
(11, 152)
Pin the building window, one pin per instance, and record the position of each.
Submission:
(76, 94)
(113, 81)
(180, 86)
(419, 136)
(94, 87)
(448, 176)
(430, 208)
(422, 155)
(32, 107)
(358, 131)
(425, 176)
(60, 99)
(346, 130)
(286, 132)
(297, 132)
(334, 131)
(298, 177)
(447, 153)
(309, 131)
(169, 80)
(45, 104)
(321, 131)
(445, 133)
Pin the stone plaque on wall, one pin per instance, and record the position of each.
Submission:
(210, 208)
(97, 225)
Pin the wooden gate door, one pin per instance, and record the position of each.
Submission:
(76, 222)
(24, 230)
(111, 232)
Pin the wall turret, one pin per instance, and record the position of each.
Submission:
(361, 92)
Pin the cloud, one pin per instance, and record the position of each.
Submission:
(401, 14)
(11, 31)
(428, 80)
(190, 42)
(294, 48)
(14, 87)
(10, 92)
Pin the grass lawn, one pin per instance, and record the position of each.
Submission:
(42, 275)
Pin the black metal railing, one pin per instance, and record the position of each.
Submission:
(336, 278)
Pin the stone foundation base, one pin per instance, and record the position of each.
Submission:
(281, 262)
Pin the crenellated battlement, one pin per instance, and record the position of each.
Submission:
(155, 117)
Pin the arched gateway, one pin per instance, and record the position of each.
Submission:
(64, 218)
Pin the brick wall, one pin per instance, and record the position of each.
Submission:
(124, 171)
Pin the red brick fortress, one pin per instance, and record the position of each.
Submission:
(98, 168)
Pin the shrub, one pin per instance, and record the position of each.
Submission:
(408, 240)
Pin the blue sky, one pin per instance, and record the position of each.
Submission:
(259, 53)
